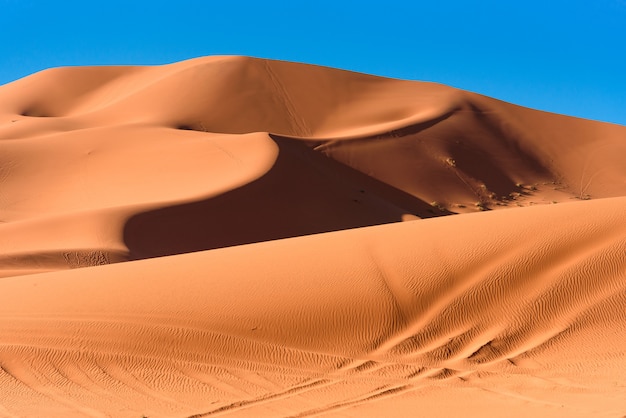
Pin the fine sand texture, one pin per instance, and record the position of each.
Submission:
(230, 236)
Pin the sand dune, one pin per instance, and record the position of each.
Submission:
(242, 237)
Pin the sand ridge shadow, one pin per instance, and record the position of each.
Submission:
(304, 193)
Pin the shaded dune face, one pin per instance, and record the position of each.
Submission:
(254, 216)
(303, 193)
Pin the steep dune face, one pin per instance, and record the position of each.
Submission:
(101, 165)
(139, 153)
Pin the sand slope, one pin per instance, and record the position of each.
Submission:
(510, 312)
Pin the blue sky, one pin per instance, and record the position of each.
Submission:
(562, 56)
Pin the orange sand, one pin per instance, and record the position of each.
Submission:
(301, 276)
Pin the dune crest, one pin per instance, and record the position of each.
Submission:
(229, 236)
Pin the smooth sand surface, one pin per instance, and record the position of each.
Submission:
(230, 236)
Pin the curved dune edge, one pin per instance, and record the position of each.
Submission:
(223, 151)
(363, 322)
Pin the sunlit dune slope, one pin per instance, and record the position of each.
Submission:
(335, 320)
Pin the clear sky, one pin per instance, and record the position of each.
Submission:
(564, 56)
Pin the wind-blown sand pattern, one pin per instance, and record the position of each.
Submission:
(230, 236)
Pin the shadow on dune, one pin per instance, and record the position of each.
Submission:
(468, 154)
(304, 193)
